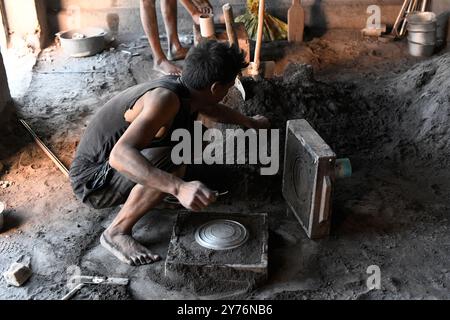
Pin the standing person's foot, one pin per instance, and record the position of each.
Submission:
(127, 249)
(167, 68)
(203, 6)
(176, 53)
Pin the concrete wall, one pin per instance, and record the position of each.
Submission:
(26, 22)
(5, 97)
(440, 6)
(442, 9)
(123, 15)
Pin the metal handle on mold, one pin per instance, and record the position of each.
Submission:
(325, 200)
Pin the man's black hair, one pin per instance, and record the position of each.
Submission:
(210, 62)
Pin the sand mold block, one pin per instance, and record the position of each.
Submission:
(204, 269)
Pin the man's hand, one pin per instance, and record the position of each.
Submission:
(260, 122)
(203, 6)
(196, 8)
(195, 196)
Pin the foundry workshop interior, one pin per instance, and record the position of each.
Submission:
(340, 190)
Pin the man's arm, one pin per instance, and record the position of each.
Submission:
(223, 114)
(160, 107)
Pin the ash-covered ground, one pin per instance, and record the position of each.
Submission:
(386, 112)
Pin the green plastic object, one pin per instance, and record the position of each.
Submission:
(343, 168)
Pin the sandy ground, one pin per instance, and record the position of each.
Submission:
(392, 213)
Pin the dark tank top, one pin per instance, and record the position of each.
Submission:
(108, 125)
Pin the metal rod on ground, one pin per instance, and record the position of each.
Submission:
(69, 72)
(44, 148)
(73, 292)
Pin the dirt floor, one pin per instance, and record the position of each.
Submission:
(371, 102)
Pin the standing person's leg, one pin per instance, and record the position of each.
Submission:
(150, 24)
(169, 10)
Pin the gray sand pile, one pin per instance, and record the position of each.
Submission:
(401, 119)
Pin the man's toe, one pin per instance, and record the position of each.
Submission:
(128, 261)
(143, 259)
(136, 261)
(147, 258)
(156, 258)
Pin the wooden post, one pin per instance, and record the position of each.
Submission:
(4, 34)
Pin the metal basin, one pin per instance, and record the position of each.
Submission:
(82, 42)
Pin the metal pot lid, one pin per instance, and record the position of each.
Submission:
(221, 235)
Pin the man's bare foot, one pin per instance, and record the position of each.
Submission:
(167, 68)
(175, 54)
(126, 249)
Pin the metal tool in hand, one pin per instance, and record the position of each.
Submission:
(221, 194)
(173, 200)
(84, 280)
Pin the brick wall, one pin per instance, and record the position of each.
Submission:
(124, 14)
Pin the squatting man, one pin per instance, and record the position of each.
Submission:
(124, 157)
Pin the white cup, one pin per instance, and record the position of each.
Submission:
(207, 25)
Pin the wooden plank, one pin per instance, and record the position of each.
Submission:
(296, 22)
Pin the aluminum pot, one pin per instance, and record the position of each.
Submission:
(422, 37)
(422, 21)
(420, 50)
(82, 42)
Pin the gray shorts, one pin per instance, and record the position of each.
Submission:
(118, 187)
